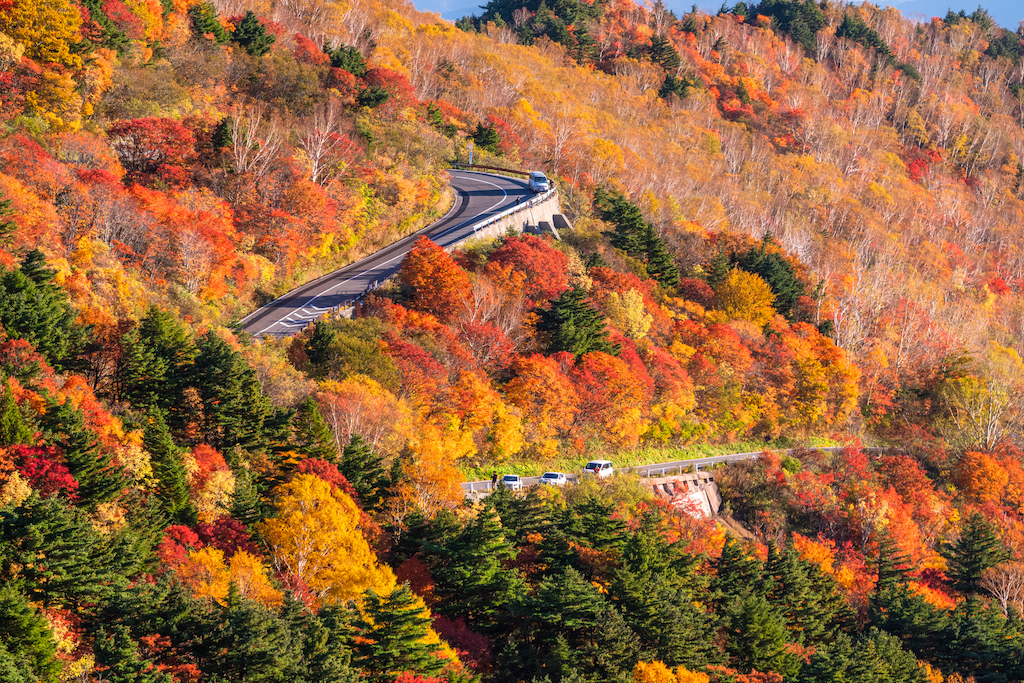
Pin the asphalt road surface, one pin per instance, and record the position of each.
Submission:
(477, 196)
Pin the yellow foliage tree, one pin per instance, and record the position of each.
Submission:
(47, 28)
(207, 573)
(652, 672)
(215, 496)
(316, 537)
(745, 296)
(657, 672)
(628, 313)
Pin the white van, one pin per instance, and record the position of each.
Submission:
(539, 182)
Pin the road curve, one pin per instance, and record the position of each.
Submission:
(478, 196)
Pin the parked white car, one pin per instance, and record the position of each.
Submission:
(512, 481)
(553, 478)
(539, 182)
(599, 468)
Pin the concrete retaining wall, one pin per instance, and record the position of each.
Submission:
(696, 492)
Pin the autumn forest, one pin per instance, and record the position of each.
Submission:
(794, 224)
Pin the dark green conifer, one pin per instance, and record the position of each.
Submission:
(119, 654)
(77, 567)
(347, 57)
(312, 435)
(140, 377)
(26, 637)
(390, 638)
(891, 568)
(253, 37)
(254, 644)
(468, 571)
(14, 429)
(486, 137)
(221, 137)
(98, 480)
(660, 264)
(168, 466)
(574, 325)
(874, 656)
(35, 309)
(246, 504)
(664, 54)
(205, 22)
(365, 470)
(597, 527)
(319, 346)
(7, 226)
(757, 636)
(977, 549)
(234, 409)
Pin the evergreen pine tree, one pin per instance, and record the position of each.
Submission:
(569, 626)
(664, 54)
(120, 655)
(365, 470)
(891, 569)
(246, 505)
(221, 136)
(977, 549)
(486, 137)
(718, 269)
(14, 668)
(468, 574)
(14, 429)
(205, 22)
(26, 636)
(573, 325)
(660, 264)
(98, 480)
(173, 349)
(522, 515)
(235, 411)
(312, 435)
(875, 656)
(35, 309)
(777, 272)
(77, 561)
(391, 635)
(139, 376)
(757, 636)
(736, 573)
(168, 467)
(327, 644)
(254, 644)
(347, 57)
(598, 528)
(318, 348)
(253, 36)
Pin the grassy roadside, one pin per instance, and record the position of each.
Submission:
(647, 455)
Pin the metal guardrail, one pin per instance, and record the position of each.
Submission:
(472, 489)
(492, 168)
(511, 211)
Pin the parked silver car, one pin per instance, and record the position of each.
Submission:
(599, 468)
(553, 478)
(512, 481)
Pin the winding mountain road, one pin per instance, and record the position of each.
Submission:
(478, 196)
